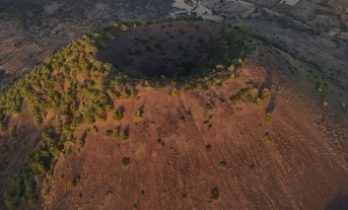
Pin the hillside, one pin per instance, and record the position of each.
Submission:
(180, 114)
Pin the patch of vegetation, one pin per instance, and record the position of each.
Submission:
(21, 186)
(325, 103)
(268, 117)
(265, 94)
(222, 164)
(234, 98)
(160, 142)
(125, 161)
(208, 148)
(124, 136)
(95, 129)
(108, 133)
(210, 105)
(74, 181)
(245, 92)
(267, 137)
(82, 140)
(118, 115)
(4, 149)
(13, 132)
(174, 92)
(182, 120)
(184, 195)
(116, 133)
(215, 194)
(257, 101)
(138, 113)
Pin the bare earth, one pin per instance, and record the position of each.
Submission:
(303, 167)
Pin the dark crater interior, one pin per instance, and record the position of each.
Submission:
(170, 49)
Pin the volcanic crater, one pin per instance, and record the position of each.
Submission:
(171, 49)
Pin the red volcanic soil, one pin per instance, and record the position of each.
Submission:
(302, 165)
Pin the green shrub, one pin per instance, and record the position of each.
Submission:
(174, 92)
(182, 120)
(125, 161)
(124, 136)
(325, 103)
(13, 132)
(138, 113)
(269, 117)
(21, 186)
(266, 137)
(257, 101)
(160, 142)
(343, 104)
(214, 194)
(265, 94)
(234, 98)
(74, 181)
(210, 105)
(115, 133)
(81, 142)
(208, 148)
(108, 133)
(222, 164)
(3, 127)
(95, 129)
(118, 115)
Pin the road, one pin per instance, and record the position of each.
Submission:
(193, 8)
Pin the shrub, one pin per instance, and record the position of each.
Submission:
(182, 120)
(95, 129)
(115, 133)
(222, 164)
(81, 142)
(118, 115)
(343, 104)
(21, 186)
(210, 105)
(208, 148)
(234, 98)
(2, 127)
(13, 132)
(160, 142)
(215, 194)
(325, 103)
(257, 101)
(266, 137)
(184, 195)
(125, 161)
(269, 117)
(174, 92)
(108, 133)
(137, 113)
(124, 136)
(265, 94)
(72, 183)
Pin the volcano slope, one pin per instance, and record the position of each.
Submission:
(183, 114)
